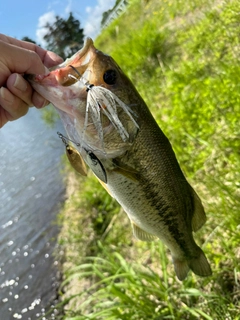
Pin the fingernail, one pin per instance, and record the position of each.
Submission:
(6, 95)
(20, 83)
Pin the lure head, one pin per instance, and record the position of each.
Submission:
(100, 117)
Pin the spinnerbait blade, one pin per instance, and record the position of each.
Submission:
(74, 157)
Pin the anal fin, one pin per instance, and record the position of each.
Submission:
(141, 234)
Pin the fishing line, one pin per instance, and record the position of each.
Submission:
(64, 140)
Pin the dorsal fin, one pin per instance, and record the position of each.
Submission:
(199, 216)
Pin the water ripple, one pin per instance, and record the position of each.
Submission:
(31, 190)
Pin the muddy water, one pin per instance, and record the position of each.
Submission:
(31, 194)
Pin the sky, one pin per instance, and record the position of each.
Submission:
(19, 18)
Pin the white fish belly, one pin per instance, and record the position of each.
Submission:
(131, 197)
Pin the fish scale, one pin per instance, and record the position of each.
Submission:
(151, 203)
(130, 155)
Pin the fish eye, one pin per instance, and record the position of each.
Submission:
(110, 76)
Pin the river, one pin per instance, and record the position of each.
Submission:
(31, 194)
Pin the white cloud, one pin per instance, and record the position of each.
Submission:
(41, 31)
(88, 9)
(93, 23)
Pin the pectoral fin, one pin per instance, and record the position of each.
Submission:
(141, 234)
(126, 171)
(76, 160)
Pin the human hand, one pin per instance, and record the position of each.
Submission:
(16, 59)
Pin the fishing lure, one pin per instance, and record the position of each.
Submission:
(100, 99)
(74, 156)
(78, 163)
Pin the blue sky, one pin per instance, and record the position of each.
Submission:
(19, 18)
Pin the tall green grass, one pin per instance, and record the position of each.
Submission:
(123, 290)
(184, 59)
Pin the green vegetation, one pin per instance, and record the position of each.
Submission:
(184, 59)
(49, 115)
(65, 37)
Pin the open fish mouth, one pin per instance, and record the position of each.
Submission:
(86, 102)
(80, 61)
(61, 74)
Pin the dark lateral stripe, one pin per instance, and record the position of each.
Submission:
(168, 216)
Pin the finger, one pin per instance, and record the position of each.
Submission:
(48, 58)
(20, 60)
(23, 90)
(38, 101)
(20, 88)
(3, 117)
(13, 106)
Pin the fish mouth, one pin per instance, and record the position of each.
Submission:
(80, 58)
(70, 71)
(73, 68)
(62, 85)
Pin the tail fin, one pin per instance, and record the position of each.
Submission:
(181, 268)
(198, 265)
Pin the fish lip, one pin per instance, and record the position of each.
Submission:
(49, 79)
(76, 65)
(59, 75)
(78, 55)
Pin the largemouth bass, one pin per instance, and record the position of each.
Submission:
(115, 134)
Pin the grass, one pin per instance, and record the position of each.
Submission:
(123, 290)
(184, 60)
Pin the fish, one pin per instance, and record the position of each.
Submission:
(116, 135)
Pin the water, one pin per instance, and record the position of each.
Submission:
(31, 193)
